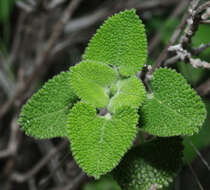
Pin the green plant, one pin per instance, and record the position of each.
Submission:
(100, 105)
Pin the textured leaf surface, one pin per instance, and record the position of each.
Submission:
(156, 162)
(173, 108)
(45, 115)
(91, 80)
(120, 42)
(98, 143)
(130, 92)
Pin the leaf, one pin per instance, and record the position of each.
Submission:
(173, 108)
(130, 92)
(45, 115)
(154, 163)
(120, 42)
(97, 142)
(91, 81)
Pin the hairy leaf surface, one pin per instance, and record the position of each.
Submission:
(153, 164)
(120, 42)
(46, 113)
(130, 92)
(97, 142)
(173, 108)
(91, 80)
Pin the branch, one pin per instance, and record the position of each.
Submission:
(72, 185)
(193, 24)
(183, 55)
(173, 39)
(42, 62)
(157, 38)
(204, 88)
(200, 49)
(193, 18)
(26, 176)
(13, 140)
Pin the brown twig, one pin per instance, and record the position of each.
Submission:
(42, 62)
(157, 38)
(26, 176)
(193, 18)
(200, 49)
(204, 88)
(13, 140)
(183, 55)
(72, 185)
(173, 39)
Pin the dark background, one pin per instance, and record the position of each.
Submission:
(30, 55)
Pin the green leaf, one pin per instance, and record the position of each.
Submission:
(98, 142)
(154, 163)
(91, 81)
(120, 42)
(45, 115)
(173, 108)
(130, 92)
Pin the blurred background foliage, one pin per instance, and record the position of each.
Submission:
(157, 23)
(6, 8)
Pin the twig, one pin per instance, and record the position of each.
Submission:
(183, 55)
(193, 18)
(149, 5)
(44, 181)
(157, 38)
(200, 49)
(87, 20)
(75, 183)
(198, 153)
(193, 23)
(204, 88)
(24, 6)
(173, 39)
(42, 62)
(13, 140)
(32, 184)
(205, 22)
(54, 3)
(17, 39)
(195, 176)
(58, 175)
(26, 176)
(7, 84)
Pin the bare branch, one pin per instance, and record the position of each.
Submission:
(183, 55)
(28, 175)
(204, 88)
(13, 140)
(42, 62)
(75, 183)
(200, 49)
(24, 6)
(157, 38)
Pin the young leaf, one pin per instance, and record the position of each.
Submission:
(45, 115)
(130, 92)
(90, 82)
(154, 163)
(120, 42)
(97, 142)
(173, 108)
